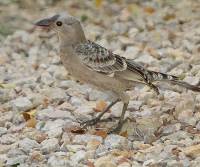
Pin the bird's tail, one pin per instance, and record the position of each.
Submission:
(157, 76)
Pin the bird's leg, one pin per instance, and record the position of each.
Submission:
(121, 120)
(97, 119)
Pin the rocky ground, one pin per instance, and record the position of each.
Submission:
(41, 105)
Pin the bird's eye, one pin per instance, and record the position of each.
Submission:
(59, 23)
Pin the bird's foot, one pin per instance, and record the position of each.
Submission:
(94, 121)
(117, 129)
(90, 122)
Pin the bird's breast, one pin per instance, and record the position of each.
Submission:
(82, 73)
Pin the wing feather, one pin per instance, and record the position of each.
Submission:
(99, 58)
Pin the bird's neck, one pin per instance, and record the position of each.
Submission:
(72, 39)
(71, 43)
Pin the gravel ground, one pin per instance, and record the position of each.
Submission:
(41, 104)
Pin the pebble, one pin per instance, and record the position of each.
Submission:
(192, 151)
(8, 139)
(51, 113)
(47, 79)
(146, 59)
(60, 161)
(53, 125)
(50, 145)
(198, 125)
(78, 156)
(55, 94)
(106, 161)
(85, 109)
(171, 128)
(74, 148)
(131, 52)
(16, 160)
(81, 139)
(55, 133)
(36, 156)
(115, 141)
(2, 131)
(21, 104)
(28, 144)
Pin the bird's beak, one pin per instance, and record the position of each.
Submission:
(43, 23)
(47, 21)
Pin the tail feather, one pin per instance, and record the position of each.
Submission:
(156, 76)
(148, 77)
(186, 85)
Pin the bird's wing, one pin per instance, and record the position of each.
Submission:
(99, 58)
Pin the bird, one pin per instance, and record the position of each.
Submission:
(91, 63)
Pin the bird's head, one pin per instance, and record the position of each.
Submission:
(67, 27)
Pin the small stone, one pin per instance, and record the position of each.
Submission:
(21, 104)
(68, 84)
(81, 139)
(177, 136)
(115, 141)
(93, 144)
(187, 117)
(131, 52)
(8, 139)
(74, 148)
(15, 152)
(171, 128)
(78, 156)
(3, 160)
(16, 160)
(47, 79)
(36, 156)
(124, 164)
(134, 105)
(51, 113)
(75, 101)
(27, 144)
(119, 28)
(49, 145)
(65, 138)
(2, 131)
(6, 117)
(61, 73)
(105, 161)
(55, 94)
(191, 80)
(198, 125)
(146, 59)
(56, 132)
(39, 137)
(60, 161)
(5, 148)
(50, 125)
(192, 151)
(87, 108)
(117, 109)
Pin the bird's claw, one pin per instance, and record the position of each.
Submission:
(91, 122)
(117, 129)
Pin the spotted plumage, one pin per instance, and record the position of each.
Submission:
(102, 60)
(91, 63)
